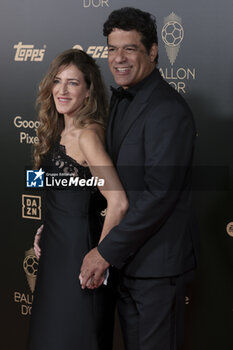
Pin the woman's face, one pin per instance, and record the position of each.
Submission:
(69, 90)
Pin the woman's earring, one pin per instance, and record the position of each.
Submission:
(86, 100)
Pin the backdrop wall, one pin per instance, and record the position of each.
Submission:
(196, 58)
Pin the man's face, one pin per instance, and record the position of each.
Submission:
(128, 59)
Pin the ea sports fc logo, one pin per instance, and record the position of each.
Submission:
(94, 51)
(172, 35)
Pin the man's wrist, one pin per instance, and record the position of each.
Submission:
(107, 263)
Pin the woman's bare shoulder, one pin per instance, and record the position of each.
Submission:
(93, 132)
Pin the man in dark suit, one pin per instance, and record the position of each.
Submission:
(150, 137)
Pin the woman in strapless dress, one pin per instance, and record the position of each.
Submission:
(72, 110)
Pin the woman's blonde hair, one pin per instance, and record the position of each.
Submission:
(52, 122)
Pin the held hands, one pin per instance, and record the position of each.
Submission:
(37, 241)
(93, 268)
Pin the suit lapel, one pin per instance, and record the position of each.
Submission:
(137, 106)
(112, 109)
(133, 113)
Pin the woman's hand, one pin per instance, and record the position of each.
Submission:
(37, 241)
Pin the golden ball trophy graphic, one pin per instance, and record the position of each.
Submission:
(30, 265)
(172, 35)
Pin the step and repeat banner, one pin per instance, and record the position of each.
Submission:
(196, 58)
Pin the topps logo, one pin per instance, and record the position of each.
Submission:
(28, 52)
(95, 51)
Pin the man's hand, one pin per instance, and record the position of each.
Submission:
(92, 270)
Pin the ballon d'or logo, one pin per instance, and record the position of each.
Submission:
(30, 265)
(172, 35)
(229, 229)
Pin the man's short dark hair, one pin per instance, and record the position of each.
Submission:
(129, 18)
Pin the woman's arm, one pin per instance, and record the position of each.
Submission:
(101, 166)
(36, 245)
(92, 148)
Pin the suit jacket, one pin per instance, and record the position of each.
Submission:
(153, 155)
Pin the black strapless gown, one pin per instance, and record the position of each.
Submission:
(65, 317)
